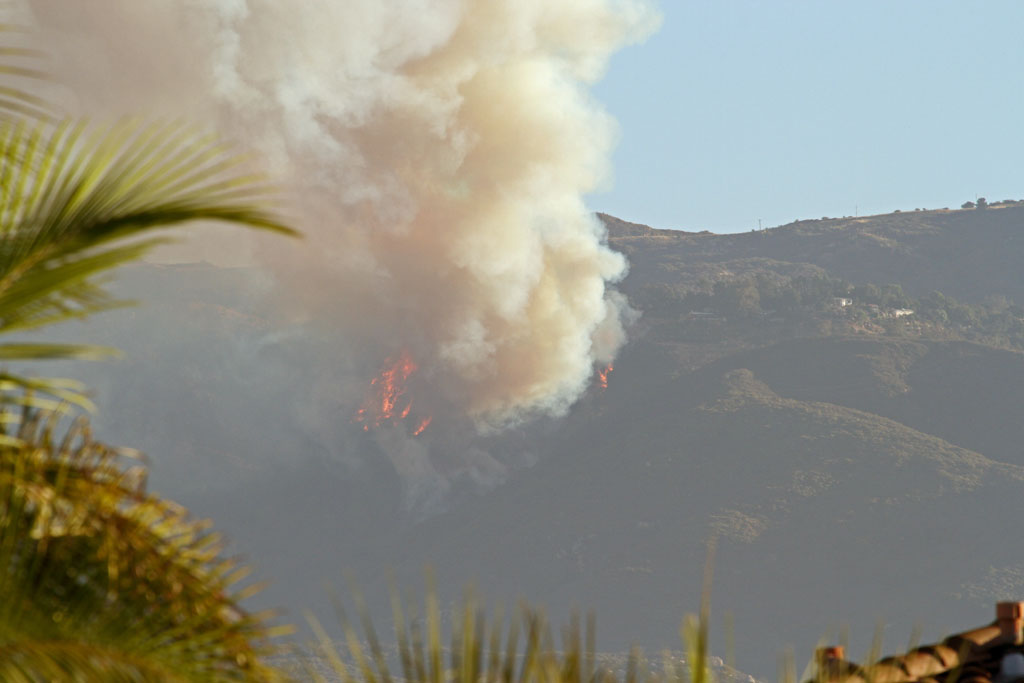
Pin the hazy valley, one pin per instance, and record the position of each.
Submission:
(771, 394)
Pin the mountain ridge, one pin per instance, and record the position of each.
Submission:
(980, 248)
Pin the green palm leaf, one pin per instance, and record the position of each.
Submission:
(19, 67)
(100, 576)
(70, 197)
(77, 201)
(100, 580)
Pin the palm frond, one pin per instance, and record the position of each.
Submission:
(21, 70)
(100, 580)
(97, 572)
(40, 351)
(68, 192)
(43, 296)
(77, 201)
(52, 394)
(76, 661)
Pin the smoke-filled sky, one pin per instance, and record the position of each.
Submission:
(742, 109)
(436, 154)
(444, 155)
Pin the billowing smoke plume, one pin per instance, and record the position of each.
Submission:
(436, 154)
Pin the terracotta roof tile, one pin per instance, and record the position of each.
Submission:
(988, 654)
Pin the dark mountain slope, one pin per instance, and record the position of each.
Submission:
(967, 254)
(818, 506)
(967, 394)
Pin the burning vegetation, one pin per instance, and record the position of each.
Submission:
(387, 400)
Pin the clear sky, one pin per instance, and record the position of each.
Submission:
(742, 109)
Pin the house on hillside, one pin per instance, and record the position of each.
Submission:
(704, 315)
(880, 312)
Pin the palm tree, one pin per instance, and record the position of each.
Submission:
(77, 201)
(100, 580)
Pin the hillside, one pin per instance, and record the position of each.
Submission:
(856, 464)
(964, 393)
(966, 253)
(822, 510)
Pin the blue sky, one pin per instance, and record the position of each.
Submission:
(742, 109)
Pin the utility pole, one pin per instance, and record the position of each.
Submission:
(855, 210)
(759, 224)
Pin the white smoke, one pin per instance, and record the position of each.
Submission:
(437, 154)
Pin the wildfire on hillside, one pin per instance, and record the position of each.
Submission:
(387, 400)
(422, 427)
(602, 376)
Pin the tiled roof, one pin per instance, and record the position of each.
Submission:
(990, 654)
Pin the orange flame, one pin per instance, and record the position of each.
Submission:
(602, 376)
(386, 401)
(424, 423)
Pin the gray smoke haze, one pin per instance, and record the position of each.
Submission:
(435, 152)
